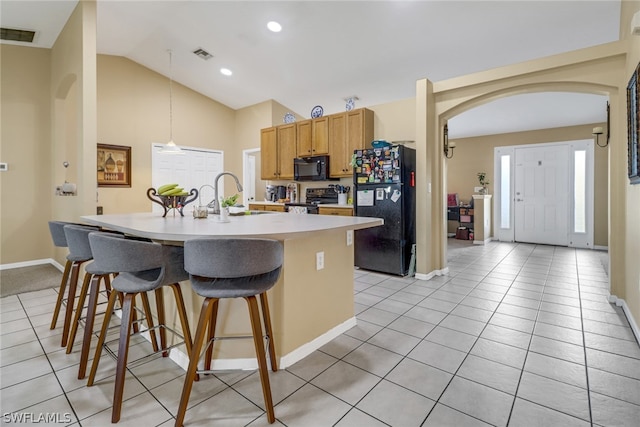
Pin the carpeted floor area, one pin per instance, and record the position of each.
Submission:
(28, 279)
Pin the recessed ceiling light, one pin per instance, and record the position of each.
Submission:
(274, 26)
(226, 71)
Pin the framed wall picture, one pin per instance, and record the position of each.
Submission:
(633, 125)
(114, 166)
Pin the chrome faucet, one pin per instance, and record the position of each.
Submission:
(215, 203)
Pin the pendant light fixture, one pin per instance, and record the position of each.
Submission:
(171, 147)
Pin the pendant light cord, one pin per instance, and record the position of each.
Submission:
(170, 96)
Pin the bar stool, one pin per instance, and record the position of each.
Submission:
(144, 267)
(71, 268)
(232, 268)
(78, 241)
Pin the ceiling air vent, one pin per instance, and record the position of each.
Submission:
(203, 54)
(12, 34)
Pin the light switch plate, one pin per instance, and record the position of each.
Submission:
(319, 260)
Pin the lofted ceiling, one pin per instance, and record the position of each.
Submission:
(328, 51)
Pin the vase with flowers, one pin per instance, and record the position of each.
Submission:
(482, 179)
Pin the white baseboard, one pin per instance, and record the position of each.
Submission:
(482, 242)
(600, 248)
(308, 348)
(627, 312)
(32, 263)
(285, 361)
(432, 274)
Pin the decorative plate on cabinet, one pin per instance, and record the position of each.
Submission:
(351, 104)
(289, 118)
(316, 112)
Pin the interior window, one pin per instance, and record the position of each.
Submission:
(579, 191)
(505, 190)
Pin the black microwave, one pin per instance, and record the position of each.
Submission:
(315, 168)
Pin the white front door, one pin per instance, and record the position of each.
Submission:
(542, 194)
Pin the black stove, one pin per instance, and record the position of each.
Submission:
(320, 196)
(314, 197)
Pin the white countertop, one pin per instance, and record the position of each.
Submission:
(272, 225)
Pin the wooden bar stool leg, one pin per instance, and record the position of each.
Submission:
(148, 315)
(182, 312)
(123, 351)
(205, 314)
(264, 303)
(71, 299)
(256, 326)
(161, 320)
(78, 313)
(63, 287)
(212, 333)
(94, 290)
(101, 339)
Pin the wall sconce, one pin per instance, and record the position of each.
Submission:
(597, 131)
(448, 146)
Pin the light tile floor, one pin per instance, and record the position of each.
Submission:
(515, 334)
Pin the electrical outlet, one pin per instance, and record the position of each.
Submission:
(349, 237)
(319, 260)
(99, 210)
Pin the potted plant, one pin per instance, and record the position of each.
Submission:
(225, 204)
(482, 179)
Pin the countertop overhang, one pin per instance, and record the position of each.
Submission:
(278, 226)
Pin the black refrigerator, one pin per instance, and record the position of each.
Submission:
(384, 182)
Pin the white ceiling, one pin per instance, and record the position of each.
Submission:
(330, 50)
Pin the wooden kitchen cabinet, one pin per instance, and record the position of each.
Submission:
(348, 132)
(335, 211)
(277, 150)
(337, 135)
(274, 208)
(262, 207)
(313, 137)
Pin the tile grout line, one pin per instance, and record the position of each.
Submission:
(584, 345)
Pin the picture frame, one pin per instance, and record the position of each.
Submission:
(633, 126)
(114, 165)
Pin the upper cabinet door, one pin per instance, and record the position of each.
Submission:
(303, 145)
(320, 136)
(337, 145)
(286, 150)
(269, 153)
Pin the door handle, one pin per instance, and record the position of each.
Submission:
(519, 200)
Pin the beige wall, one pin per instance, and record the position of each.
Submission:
(26, 189)
(473, 155)
(629, 288)
(395, 121)
(133, 110)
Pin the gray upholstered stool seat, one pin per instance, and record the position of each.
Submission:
(232, 268)
(143, 267)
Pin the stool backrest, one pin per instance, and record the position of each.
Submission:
(78, 241)
(56, 228)
(113, 253)
(230, 258)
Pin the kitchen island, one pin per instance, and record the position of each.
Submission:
(309, 306)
